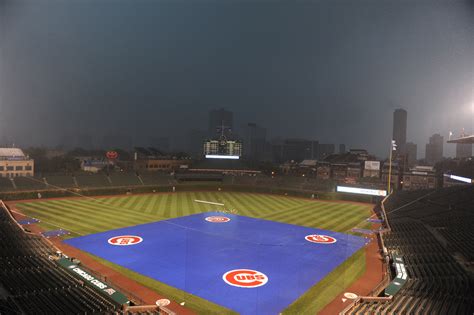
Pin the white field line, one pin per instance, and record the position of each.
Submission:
(209, 202)
(48, 222)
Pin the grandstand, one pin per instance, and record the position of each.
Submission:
(29, 183)
(91, 180)
(124, 179)
(432, 232)
(32, 283)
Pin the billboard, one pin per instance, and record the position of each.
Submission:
(362, 191)
(372, 165)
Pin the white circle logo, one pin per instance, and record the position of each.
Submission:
(245, 278)
(350, 295)
(163, 302)
(320, 239)
(125, 240)
(217, 219)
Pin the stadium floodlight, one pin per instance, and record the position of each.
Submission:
(460, 178)
(362, 191)
(227, 157)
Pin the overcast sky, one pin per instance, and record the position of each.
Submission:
(332, 71)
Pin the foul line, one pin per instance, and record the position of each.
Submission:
(47, 222)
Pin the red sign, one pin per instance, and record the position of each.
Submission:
(245, 278)
(320, 239)
(125, 240)
(217, 219)
(111, 155)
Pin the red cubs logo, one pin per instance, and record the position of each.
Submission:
(125, 240)
(217, 219)
(320, 239)
(245, 278)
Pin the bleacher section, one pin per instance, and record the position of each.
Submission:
(29, 183)
(62, 181)
(155, 178)
(92, 180)
(430, 230)
(124, 179)
(6, 184)
(37, 285)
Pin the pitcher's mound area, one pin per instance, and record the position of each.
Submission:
(249, 265)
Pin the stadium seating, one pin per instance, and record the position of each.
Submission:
(430, 229)
(29, 183)
(6, 184)
(155, 178)
(92, 180)
(37, 285)
(124, 179)
(61, 181)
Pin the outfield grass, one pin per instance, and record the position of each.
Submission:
(91, 215)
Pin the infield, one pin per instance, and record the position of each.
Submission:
(203, 254)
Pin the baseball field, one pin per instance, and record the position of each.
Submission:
(89, 216)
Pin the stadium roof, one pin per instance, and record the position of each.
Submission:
(467, 139)
(11, 152)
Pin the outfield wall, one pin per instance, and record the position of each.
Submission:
(76, 192)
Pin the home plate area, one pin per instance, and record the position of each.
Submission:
(251, 266)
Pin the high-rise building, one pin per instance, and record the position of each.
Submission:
(254, 142)
(434, 149)
(411, 152)
(463, 150)
(221, 121)
(325, 149)
(400, 129)
(342, 148)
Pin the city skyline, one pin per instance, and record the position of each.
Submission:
(294, 69)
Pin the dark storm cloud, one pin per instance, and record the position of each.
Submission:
(328, 70)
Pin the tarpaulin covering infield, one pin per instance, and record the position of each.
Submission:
(204, 254)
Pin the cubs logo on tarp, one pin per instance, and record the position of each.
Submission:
(320, 239)
(245, 278)
(125, 240)
(217, 219)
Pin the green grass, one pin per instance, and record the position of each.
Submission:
(91, 215)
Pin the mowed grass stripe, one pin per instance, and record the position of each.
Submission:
(48, 214)
(52, 217)
(167, 210)
(160, 205)
(325, 213)
(79, 211)
(242, 205)
(310, 216)
(103, 216)
(144, 202)
(325, 218)
(152, 204)
(261, 206)
(109, 210)
(199, 207)
(180, 204)
(350, 221)
(274, 202)
(174, 205)
(285, 214)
